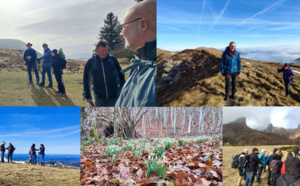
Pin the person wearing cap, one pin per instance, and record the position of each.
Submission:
(139, 32)
(251, 168)
(230, 68)
(2, 149)
(29, 58)
(262, 159)
(241, 169)
(292, 173)
(288, 76)
(104, 72)
(46, 66)
(59, 63)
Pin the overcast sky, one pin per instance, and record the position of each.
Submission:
(69, 24)
(260, 117)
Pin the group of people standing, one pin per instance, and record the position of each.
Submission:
(50, 59)
(231, 67)
(279, 172)
(11, 149)
(33, 156)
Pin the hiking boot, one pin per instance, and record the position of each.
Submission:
(42, 84)
(233, 96)
(30, 82)
(226, 97)
(63, 95)
(50, 85)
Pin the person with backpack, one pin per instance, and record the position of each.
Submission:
(139, 32)
(11, 150)
(2, 149)
(251, 167)
(267, 163)
(292, 173)
(47, 63)
(275, 168)
(230, 68)
(296, 151)
(105, 72)
(283, 165)
(33, 154)
(241, 161)
(58, 64)
(288, 76)
(42, 154)
(262, 159)
(29, 59)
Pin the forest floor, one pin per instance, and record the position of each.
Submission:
(153, 161)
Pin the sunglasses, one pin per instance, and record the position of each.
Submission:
(122, 26)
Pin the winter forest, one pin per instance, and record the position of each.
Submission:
(150, 122)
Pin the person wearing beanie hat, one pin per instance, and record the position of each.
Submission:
(58, 64)
(252, 167)
(29, 58)
(288, 76)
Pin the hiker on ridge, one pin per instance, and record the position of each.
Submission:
(11, 150)
(58, 63)
(33, 154)
(241, 169)
(251, 168)
(29, 59)
(139, 31)
(46, 66)
(288, 76)
(42, 154)
(2, 149)
(230, 68)
(105, 72)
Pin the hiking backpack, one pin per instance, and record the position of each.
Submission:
(64, 65)
(235, 162)
(244, 161)
(274, 166)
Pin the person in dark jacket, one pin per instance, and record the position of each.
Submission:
(46, 66)
(241, 169)
(59, 63)
(292, 173)
(139, 32)
(278, 173)
(42, 154)
(105, 72)
(11, 150)
(230, 67)
(296, 151)
(29, 59)
(2, 149)
(288, 76)
(252, 167)
(33, 154)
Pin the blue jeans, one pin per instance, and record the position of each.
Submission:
(33, 159)
(260, 169)
(287, 85)
(48, 71)
(30, 66)
(2, 156)
(250, 178)
(42, 159)
(9, 157)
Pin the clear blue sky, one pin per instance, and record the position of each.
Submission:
(214, 23)
(58, 128)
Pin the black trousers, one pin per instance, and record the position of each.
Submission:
(233, 83)
(58, 77)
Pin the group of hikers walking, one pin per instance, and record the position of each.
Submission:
(280, 173)
(50, 59)
(33, 156)
(10, 150)
(231, 67)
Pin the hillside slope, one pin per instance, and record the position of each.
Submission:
(193, 78)
(20, 174)
(238, 133)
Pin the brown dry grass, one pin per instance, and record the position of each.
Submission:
(259, 84)
(230, 175)
(16, 174)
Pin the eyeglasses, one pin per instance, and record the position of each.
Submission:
(122, 26)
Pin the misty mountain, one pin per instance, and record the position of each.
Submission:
(15, 44)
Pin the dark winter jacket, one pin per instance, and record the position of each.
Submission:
(29, 52)
(42, 151)
(296, 150)
(292, 173)
(47, 58)
(58, 62)
(106, 77)
(287, 74)
(32, 150)
(11, 149)
(230, 64)
(289, 179)
(2, 148)
(140, 88)
(253, 163)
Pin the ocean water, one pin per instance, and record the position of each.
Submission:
(66, 159)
